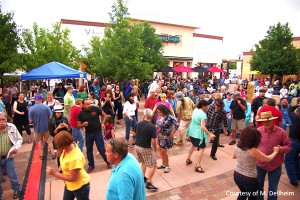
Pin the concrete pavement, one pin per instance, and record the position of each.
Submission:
(182, 182)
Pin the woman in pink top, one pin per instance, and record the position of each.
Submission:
(76, 131)
(163, 101)
(242, 91)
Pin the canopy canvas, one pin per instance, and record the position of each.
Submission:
(182, 68)
(53, 70)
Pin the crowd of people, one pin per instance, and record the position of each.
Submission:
(198, 112)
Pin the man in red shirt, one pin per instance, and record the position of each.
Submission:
(274, 110)
(151, 100)
(76, 131)
(271, 136)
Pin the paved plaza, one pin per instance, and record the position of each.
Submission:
(182, 182)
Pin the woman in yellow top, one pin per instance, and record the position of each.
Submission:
(77, 181)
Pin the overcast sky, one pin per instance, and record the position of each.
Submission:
(241, 23)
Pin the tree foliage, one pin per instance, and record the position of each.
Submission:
(41, 46)
(275, 54)
(9, 43)
(128, 49)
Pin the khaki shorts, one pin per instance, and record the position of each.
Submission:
(184, 125)
(45, 136)
(146, 156)
(237, 125)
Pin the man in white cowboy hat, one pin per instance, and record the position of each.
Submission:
(272, 135)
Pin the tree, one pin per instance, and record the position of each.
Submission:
(128, 49)
(42, 46)
(152, 43)
(275, 54)
(232, 65)
(9, 44)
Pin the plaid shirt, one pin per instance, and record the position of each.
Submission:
(5, 143)
(214, 119)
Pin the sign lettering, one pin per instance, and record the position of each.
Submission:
(170, 38)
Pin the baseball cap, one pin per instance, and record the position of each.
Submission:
(38, 97)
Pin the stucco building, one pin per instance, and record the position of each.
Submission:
(183, 44)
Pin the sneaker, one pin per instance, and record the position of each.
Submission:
(232, 142)
(90, 169)
(151, 187)
(167, 170)
(180, 143)
(220, 145)
(17, 194)
(161, 167)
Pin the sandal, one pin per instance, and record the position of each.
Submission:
(161, 167)
(167, 170)
(199, 169)
(188, 162)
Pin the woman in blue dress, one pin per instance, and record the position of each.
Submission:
(199, 134)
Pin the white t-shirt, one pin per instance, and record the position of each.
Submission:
(129, 108)
(283, 92)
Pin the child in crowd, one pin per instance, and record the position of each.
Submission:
(109, 128)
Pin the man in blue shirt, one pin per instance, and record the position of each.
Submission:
(39, 115)
(126, 179)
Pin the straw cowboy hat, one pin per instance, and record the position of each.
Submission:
(266, 116)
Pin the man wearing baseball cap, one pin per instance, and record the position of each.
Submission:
(69, 101)
(39, 115)
(257, 102)
(237, 113)
(271, 136)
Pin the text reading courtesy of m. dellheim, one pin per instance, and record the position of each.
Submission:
(271, 193)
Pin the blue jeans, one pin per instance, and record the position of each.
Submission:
(89, 143)
(146, 90)
(9, 165)
(129, 123)
(78, 137)
(285, 120)
(82, 193)
(246, 185)
(291, 161)
(229, 124)
(273, 180)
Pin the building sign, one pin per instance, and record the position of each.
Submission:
(170, 38)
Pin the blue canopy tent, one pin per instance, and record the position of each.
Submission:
(53, 70)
